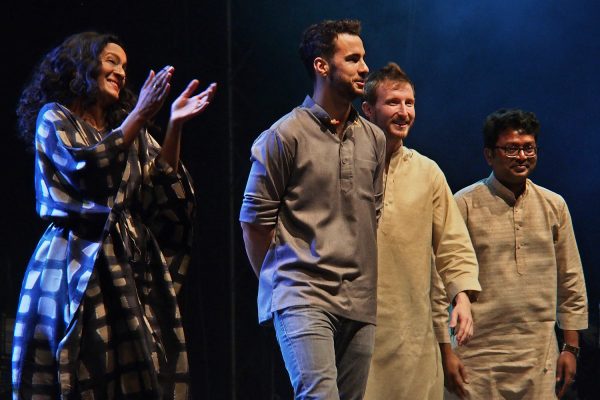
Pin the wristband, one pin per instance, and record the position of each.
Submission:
(571, 349)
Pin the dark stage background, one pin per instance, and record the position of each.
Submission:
(465, 59)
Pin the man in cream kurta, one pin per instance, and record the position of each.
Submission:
(420, 219)
(530, 272)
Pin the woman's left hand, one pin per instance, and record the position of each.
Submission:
(186, 106)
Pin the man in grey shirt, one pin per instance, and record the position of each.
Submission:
(309, 218)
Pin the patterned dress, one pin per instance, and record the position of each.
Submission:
(98, 315)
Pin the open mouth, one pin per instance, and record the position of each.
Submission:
(114, 84)
(400, 124)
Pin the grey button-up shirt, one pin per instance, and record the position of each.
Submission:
(323, 195)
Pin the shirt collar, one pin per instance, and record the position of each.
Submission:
(502, 191)
(322, 115)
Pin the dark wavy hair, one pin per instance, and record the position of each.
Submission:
(390, 72)
(503, 119)
(318, 40)
(67, 73)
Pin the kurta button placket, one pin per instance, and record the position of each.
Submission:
(520, 252)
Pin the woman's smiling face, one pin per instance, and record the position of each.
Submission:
(111, 78)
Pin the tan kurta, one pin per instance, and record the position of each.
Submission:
(531, 275)
(419, 214)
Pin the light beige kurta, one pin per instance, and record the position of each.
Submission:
(419, 215)
(531, 276)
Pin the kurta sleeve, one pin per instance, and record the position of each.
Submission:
(572, 313)
(455, 257)
(439, 306)
(267, 182)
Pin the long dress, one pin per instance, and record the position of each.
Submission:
(98, 315)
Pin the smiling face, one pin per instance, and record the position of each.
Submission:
(393, 111)
(111, 78)
(347, 67)
(512, 172)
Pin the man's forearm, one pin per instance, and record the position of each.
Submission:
(257, 239)
(445, 349)
(571, 337)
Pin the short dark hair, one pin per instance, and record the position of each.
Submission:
(318, 40)
(497, 122)
(67, 73)
(390, 72)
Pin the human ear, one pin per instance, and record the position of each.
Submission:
(367, 110)
(321, 66)
(489, 155)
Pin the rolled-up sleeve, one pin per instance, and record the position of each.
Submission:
(271, 167)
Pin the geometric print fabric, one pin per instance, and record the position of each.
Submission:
(98, 315)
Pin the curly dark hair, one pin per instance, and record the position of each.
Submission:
(318, 40)
(390, 72)
(67, 73)
(503, 119)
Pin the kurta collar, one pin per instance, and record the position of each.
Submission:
(323, 116)
(403, 154)
(503, 192)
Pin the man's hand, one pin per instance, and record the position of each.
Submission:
(455, 374)
(461, 320)
(566, 366)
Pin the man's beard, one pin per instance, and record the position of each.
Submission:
(343, 88)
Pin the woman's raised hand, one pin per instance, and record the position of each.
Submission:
(187, 106)
(154, 92)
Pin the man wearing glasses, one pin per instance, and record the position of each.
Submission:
(530, 273)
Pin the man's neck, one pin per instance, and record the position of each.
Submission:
(516, 188)
(392, 145)
(337, 107)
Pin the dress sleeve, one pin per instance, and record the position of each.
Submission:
(169, 208)
(267, 182)
(77, 170)
(572, 299)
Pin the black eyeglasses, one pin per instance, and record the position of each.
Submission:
(513, 151)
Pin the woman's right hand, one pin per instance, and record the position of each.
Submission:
(153, 93)
(152, 96)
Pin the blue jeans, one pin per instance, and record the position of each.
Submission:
(326, 356)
